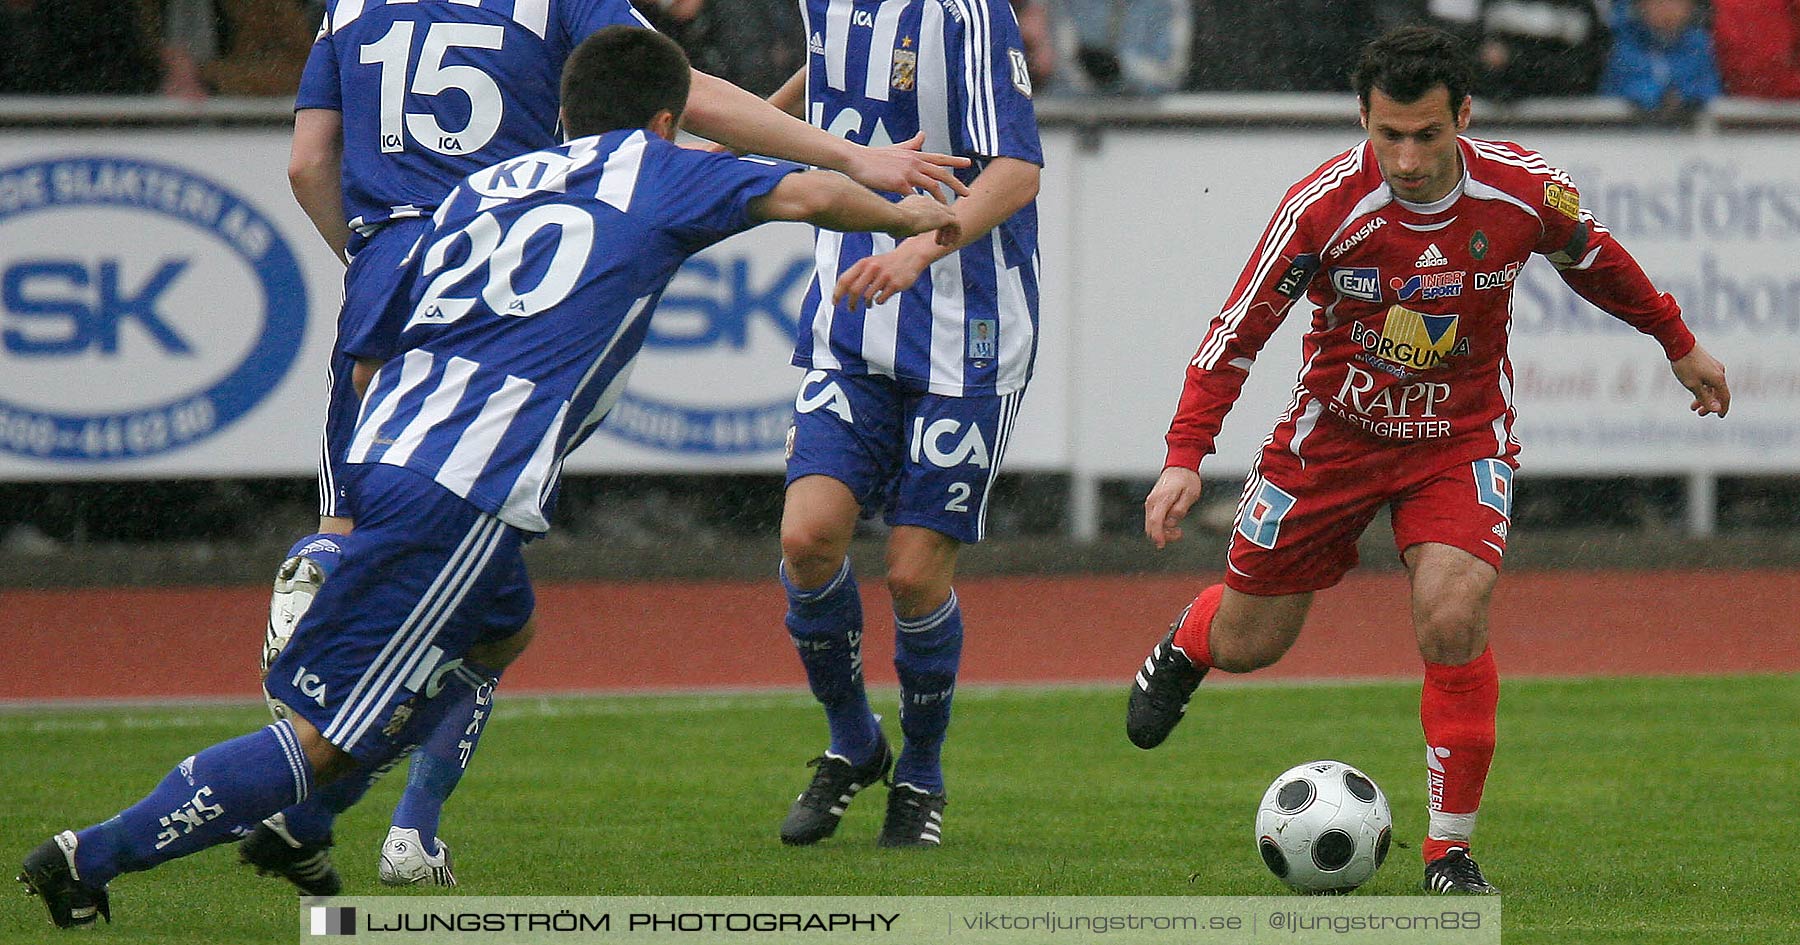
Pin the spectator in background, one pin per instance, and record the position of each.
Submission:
(1662, 60)
(1759, 47)
(753, 44)
(235, 47)
(1122, 47)
(1293, 46)
(76, 47)
(1539, 48)
(1040, 46)
(1525, 48)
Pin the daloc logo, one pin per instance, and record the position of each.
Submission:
(142, 308)
(715, 379)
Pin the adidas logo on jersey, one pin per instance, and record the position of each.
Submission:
(1430, 258)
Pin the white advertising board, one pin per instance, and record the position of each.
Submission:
(166, 310)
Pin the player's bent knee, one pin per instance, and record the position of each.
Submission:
(499, 654)
(917, 592)
(813, 545)
(329, 762)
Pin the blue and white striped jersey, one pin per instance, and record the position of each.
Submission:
(527, 301)
(881, 71)
(434, 90)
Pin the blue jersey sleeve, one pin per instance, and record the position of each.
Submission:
(319, 86)
(705, 195)
(583, 18)
(997, 116)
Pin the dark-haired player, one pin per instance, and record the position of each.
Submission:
(523, 307)
(399, 101)
(917, 355)
(1407, 247)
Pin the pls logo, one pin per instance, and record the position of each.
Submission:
(1428, 286)
(143, 308)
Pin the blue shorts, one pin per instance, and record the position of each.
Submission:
(927, 459)
(362, 332)
(424, 577)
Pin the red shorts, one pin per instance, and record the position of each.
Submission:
(1301, 516)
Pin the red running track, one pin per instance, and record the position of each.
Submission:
(203, 642)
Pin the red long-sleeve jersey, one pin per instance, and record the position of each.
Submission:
(1412, 304)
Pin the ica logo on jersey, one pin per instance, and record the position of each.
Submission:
(143, 307)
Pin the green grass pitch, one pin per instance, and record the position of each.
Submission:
(1619, 811)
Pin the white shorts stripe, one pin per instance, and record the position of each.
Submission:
(1009, 412)
(356, 704)
(419, 635)
(296, 758)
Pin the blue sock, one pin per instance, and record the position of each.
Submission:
(324, 550)
(439, 761)
(208, 799)
(826, 626)
(926, 653)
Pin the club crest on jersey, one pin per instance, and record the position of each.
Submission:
(1412, 339)
(1358, 283)
(906, 70)
(1479, 245)
(1429, 285)
(1563, 200)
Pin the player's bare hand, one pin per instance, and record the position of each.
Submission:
(875, 279)
(903, 168)
(1169, 501)
(921, 215)
(1704, 377)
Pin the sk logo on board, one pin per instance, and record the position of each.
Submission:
(1478, 245)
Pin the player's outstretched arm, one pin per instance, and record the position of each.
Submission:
(313, 173)
(722, 112)
(1004, 187)
(835, 202)
(791, 97)
(1169, 501)
(1704, 376)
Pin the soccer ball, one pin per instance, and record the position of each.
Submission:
(1323, 827)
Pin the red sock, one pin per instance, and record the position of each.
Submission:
(1457, 709)
(1196, 626)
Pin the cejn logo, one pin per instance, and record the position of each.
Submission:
(143, 308)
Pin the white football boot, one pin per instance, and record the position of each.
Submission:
(404, 862)
(297, 582)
